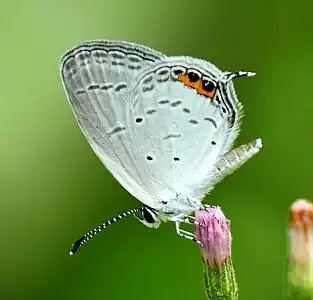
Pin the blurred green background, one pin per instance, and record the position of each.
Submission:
(53, 188)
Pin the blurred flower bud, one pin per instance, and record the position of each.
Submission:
(300, 259)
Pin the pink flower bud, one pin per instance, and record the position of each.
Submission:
(301, 239)
(299, 283)
(213, 231)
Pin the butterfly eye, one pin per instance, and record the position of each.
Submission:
(208, 86)
(193, 77)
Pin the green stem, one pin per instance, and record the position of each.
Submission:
(299, 282)
(220, 282)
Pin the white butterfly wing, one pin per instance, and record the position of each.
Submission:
(177, 135)
(98, 77)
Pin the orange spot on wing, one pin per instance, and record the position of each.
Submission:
(185, 80)
(197, 86)
(201, 91)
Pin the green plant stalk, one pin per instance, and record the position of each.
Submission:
(299, 281)
(220, 282)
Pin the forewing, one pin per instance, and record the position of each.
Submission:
(98, 77)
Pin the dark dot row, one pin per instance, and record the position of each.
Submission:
(150, 158)
(207, 85)
(175, 158)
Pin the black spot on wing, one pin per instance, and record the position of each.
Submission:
(139, 120)
(147, 80)
(80, 92)
(164, 101)
(120, 87)
(172, 136)
(210, 120)
(106, 86)
(162, 75)
(93, 87)
(148, 88)
(116, 130)
(176, 103)
(151, 111)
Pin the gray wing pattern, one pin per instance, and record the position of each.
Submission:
(97, 77)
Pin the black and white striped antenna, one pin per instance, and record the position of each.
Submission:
(231, 75)
(86, 237)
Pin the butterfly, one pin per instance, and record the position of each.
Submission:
(162, 125)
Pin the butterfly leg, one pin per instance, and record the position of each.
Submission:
(188, 220)
(186, 234)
